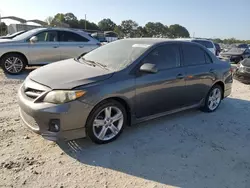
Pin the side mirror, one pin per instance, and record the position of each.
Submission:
(33, 39)
(148, 68)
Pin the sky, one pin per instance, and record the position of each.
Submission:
(202, 18)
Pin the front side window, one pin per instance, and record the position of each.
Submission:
(67, 36)
(47, 36)
(193, 55)
(164, 57)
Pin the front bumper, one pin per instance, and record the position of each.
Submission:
(71, 116)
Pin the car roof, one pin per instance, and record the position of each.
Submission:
(153, 41)
(192, 39)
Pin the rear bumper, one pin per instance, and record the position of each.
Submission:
(70, 117)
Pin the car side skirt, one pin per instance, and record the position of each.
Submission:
(140, 120)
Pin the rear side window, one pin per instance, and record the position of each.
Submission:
(164, 57)
(194, 55)
(66, 36)
(206, 44)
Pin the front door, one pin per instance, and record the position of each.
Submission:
(164, 90)
(200, 71)
(46, 49)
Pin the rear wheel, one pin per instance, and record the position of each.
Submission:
(13, 63)
(106, 122)
(213, 99)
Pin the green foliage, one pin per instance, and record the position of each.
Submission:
(106, 25)
(178, 31)
(156, 29)
(129, 28)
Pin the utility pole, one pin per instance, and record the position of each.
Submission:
(85, 22)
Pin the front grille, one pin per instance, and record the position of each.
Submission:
(29, 120)
(32, 93)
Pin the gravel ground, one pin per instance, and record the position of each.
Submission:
(189, 149)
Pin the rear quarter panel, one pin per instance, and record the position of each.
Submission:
(224, 73)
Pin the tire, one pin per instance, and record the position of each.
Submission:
(8, 60)
(208, 106)
(103, 122)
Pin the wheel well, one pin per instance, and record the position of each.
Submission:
(221, 84)
(19, 53)
(124, 103)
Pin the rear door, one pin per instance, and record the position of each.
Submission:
(200, 72)
(46, 49)
(164, 90)
(73, 44)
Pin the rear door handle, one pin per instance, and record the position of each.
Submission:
(180, 76)
(80, 46)
(55, 46)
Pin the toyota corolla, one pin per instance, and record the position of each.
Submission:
(121, 83)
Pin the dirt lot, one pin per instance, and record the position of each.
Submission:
(190, 149)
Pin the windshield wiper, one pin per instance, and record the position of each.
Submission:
(95, 63)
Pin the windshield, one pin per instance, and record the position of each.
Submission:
(119, 54)
(26, 34)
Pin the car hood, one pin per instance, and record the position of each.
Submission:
(7, 41)
(68, 74)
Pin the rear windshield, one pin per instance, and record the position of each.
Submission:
(207, 44)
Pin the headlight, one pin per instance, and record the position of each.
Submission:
(60, 96)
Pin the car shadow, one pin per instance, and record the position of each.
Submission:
(21, 76)
(187, 149)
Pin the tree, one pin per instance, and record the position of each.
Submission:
(156, 29)
(89, 25)
(129, 28)
(118, 31)
(217, 40)
(58, 20)
(141, 32)
(106, 25)
(49, 20)
(3, 29)
(70, 17)
(178, 31)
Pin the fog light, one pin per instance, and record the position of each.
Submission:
(54, 125)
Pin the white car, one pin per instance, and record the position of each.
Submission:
(204, 42)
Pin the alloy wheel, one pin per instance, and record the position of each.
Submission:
(108, 123)
(214, 99)
(13, 65)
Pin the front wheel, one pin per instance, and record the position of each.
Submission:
(13, 63)
(106, 122)
(213, 99)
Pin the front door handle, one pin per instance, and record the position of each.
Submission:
(55, 46)
(80, 46)
(180, 76)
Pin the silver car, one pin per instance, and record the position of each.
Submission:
(42, 46)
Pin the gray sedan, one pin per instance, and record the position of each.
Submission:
(121, 83)
(42, 46)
